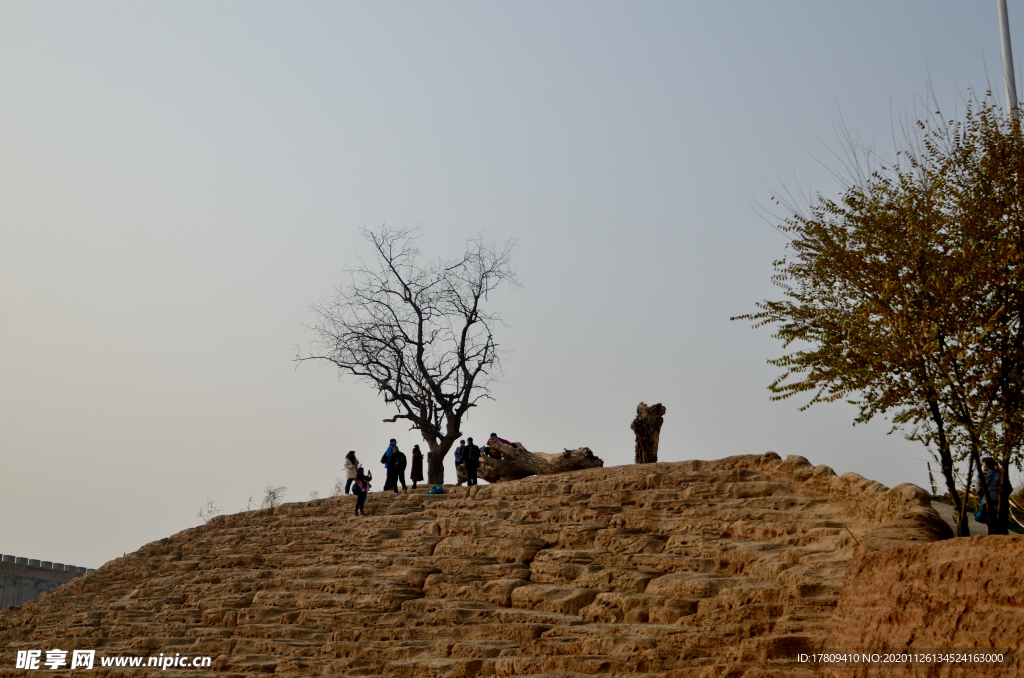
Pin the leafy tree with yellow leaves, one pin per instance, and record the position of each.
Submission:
(905, 296)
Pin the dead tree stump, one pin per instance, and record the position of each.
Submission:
(518, 462)
(647, 427)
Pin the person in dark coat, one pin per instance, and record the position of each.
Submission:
(987, 482)
(396, 468)
(389, 477)
(987, 485)
(471, 457)
(361, 487)
(417, 466)
(460, 463)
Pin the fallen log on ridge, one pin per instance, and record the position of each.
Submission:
(518, 462)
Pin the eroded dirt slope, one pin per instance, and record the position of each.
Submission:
(958, 596)
(686, 569)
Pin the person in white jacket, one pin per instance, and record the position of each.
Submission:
(351, 469)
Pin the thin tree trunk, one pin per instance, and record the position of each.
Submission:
(974, 464)
(999, 515)
(961, 516)
(946, 462)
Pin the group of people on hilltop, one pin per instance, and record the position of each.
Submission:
(467, 462)
(395, 462)
(357, 480)
(467, 457)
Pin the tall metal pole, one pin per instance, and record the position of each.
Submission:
(1008, 77)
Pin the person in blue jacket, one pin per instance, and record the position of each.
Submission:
(987, 485)
(389, 480)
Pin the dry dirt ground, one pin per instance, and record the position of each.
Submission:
(720, 568)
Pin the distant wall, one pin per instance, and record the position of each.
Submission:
(25, 579)
(947, 595)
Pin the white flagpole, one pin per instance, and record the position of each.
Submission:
(1008, 77)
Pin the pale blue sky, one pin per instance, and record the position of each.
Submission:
(179, 181)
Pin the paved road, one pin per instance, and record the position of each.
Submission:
(946, 511)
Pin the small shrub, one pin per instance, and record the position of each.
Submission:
(209, 510)
(339, 487)
(273, 496)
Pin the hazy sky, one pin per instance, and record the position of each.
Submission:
(180, 181)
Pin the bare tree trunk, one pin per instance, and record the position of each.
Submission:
(647, 427)
(439, 448)
(961, 516)
(518, 462)
(963, 529)
(999, 518)
(435, 466)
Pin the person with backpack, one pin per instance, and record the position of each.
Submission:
(361, 488)
(351, 469)
(987, 486)
(389, 477)
(396, 469)
(471, 456)
(417, 466)
(460, 462)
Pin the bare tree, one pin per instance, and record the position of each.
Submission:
(418, 333)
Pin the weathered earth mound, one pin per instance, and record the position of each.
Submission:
(722, 568)
(959, 596)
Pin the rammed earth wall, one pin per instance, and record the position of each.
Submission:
(956, 595)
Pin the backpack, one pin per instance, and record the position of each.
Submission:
(436, 489)
(363, 485)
